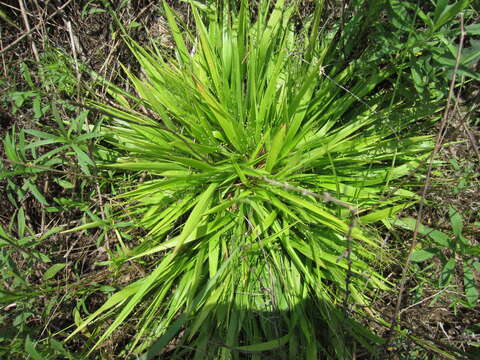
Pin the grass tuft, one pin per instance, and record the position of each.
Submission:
(266, 151)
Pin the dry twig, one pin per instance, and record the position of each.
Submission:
(28, 32)
(27, 27)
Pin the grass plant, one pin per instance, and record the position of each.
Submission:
(266, 149)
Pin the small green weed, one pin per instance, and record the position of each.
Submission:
(454, 252)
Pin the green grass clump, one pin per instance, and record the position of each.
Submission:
(266, 147)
